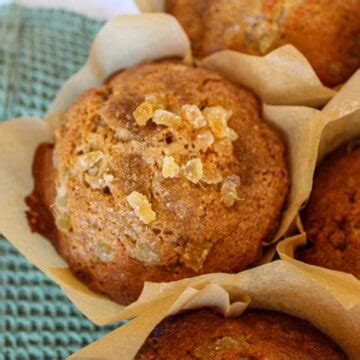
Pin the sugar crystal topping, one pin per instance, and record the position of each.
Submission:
(205, 139)
(220, 347)
(143, 113)
(88, 160)
(193, 115)
(210, 132)
(142, 207)
(167, 118)
(193, 170)
(217, 117)
(170, 168)
(229, 190)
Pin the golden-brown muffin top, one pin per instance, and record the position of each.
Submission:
(327, 32)
(332, 215)
(172, 167)
(256, 335)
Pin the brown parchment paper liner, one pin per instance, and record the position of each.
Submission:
(282, 77)
(341, 119)
(330, 306)
(123, 42)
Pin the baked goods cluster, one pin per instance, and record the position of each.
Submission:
(168, 171)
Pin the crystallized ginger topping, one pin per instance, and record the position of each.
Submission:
(193, 170)
(218, 347)
(223, 146)
(205, 139)
(193, 115)
(195, 255)
(88, 160)
(170, 168)
(143, 113)
(141, 206)
(167, 118)
(211, 131)
(217, 117)
(228, 190)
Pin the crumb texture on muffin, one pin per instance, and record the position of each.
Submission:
(327, 32)
(164, 172)
(332, 215)
(256, 335)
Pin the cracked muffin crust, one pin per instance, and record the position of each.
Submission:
(327, 32)
(332, 215)
(165, 172)
(256, 335)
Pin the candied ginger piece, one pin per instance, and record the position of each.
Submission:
(193, 115)
(141, 206)
(223, 147)
(170, 168)
(193, 170)
(217, 117)
(88, 160)
(205, 139)
(222, 345)
(167, 118)
(143, 113)
(228, 190)
(195, 255)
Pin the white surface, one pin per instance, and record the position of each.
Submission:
(97, 9)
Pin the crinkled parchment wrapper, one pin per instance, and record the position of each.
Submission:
(331, 306)
(341, 117)
(123, 42)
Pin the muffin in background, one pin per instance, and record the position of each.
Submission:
(165, 172)
(256, 335)
(327, 32)
(332, 215)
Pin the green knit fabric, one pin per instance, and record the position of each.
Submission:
(39, 50)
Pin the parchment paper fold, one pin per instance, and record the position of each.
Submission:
(341, 121)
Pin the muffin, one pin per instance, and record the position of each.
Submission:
(327, 32)
(165, 172)
(256, 335)
(332, 215)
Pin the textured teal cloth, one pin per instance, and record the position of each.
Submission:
(39, 50)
